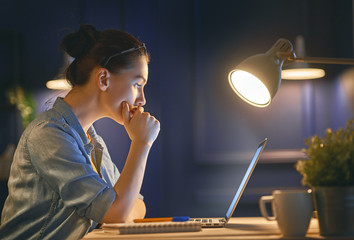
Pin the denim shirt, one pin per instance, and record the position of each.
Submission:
(54, 193)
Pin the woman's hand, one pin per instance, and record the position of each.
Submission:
(140, 126)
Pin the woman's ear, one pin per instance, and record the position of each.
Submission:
(103, 78)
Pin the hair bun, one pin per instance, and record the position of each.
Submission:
(79, 43)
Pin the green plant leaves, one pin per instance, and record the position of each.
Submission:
(24, 102)
(330, 158)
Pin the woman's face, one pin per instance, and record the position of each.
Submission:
(126, 86)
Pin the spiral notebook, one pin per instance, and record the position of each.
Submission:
(154, 227)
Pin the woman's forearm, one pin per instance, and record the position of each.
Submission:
(129, 183)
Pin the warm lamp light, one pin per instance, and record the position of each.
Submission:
(257, 79)
(301, 70)
(250, 88)
(59, 82)
(302, 73)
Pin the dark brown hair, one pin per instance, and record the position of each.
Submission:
(90, 48)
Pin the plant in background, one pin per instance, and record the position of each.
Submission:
(24, 102)
(330, 158)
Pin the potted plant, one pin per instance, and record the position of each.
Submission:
(329, 171)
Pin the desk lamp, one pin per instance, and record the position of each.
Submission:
(257, 78)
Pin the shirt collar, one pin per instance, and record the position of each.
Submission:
(63, 108)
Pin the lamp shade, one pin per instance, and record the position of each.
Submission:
(257, 79)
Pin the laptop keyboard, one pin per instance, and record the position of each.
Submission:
(209, 220)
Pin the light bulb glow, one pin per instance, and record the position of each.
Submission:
(302, 73)
(59, 84)
(250, 88)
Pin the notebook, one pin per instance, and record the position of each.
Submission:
(153, 227)
(221, 222)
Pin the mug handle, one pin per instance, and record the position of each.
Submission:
(262, 206)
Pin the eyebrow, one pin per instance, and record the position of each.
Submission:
(140, 76)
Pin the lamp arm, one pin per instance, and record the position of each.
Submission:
(345, 61)
(291, 57)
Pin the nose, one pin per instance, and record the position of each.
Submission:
(140, 100)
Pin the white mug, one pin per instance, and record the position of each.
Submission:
(291, 208)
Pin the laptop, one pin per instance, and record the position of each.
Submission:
(221, 222)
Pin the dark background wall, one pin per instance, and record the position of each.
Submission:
(207, 133)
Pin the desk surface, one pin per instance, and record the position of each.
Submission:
(237, 228)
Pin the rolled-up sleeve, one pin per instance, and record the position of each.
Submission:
(66, 168)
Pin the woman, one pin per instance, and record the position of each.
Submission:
(62, 180)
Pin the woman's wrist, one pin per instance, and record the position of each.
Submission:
(141, 144)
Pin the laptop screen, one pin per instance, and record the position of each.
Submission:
(245, 179)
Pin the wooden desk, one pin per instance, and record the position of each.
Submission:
(237, 228)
